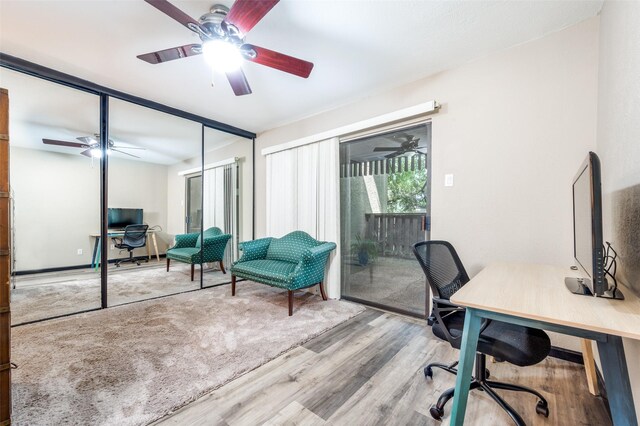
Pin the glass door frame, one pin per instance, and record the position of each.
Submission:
(426, 223)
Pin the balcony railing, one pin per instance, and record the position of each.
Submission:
(396, 233)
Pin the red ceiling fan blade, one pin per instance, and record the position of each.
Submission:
(245, 14)
(171, 54)
(64, 143)
(127, 147)
(125, 153)
(173, 12)
(394, 154)
(89, 140)
(279, 61)
(238, 82)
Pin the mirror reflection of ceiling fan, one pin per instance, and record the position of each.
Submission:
(222, 33)
(408, 143)
(91, 146)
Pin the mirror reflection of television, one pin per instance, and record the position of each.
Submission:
(588, 242)
(118, 218)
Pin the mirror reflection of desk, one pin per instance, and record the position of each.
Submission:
(119, 233)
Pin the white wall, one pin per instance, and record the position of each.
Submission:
(57, 204)
(619, 147)
(513, 129)
(137, 184)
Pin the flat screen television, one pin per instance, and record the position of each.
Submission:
(119, 218)
(588, 243)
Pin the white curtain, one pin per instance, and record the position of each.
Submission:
(303, 194)
(214, 198)
(220, 203)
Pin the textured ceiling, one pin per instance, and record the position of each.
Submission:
(358, 47)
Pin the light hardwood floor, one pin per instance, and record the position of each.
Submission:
(368, 371)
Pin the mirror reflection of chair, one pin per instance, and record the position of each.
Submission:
(135, 236)
(518, 345)
(189, 249)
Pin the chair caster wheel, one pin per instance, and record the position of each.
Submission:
(436, 412)
(487, 373)
(138, 263)
(117, 265)
(428, 372)
(542, 409)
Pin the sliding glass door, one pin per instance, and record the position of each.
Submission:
(227, 192)
(193, 191)
(385, 205)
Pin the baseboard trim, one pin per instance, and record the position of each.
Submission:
(382, 307)
(72, 267)
(566, 355)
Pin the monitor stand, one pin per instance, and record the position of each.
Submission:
(578, 286)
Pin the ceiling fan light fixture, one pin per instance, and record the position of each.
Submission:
(221, 55)
(97, 153)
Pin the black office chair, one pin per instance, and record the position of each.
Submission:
(516, 344)
(135, 236)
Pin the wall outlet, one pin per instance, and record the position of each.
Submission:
(79, 251)
(113, 246)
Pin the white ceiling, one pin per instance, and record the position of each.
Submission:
(358, 48)
(41, 109)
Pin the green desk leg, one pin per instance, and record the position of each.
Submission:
(616, 379)
(98, 254)
(468, 347)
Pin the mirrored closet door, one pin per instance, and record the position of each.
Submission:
(55, 198)
(153, 215)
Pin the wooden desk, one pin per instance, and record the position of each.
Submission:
(535, 296)
(111, 234)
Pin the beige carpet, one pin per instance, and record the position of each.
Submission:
(133, 364)
(41, 296)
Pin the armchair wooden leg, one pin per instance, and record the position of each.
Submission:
(290, 302)
(233, 285)
(192, 270)
(324, 295)
(222, 267)
(168, 261)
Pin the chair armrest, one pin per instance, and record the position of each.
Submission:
(451, 307)
(186, 240)
(311, 267)
(210, 241)
(253, 250)
(313, 253)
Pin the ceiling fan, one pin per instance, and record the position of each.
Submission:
(91, 146)
(222, 32)
(408, 143)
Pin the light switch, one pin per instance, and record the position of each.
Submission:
(448, 180)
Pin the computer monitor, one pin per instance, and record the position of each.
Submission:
(588, 243)
(118, 218)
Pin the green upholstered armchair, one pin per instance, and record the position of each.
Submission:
(292, 262)
(187, 248)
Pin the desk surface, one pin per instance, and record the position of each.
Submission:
(118, 232)
(539, 293)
